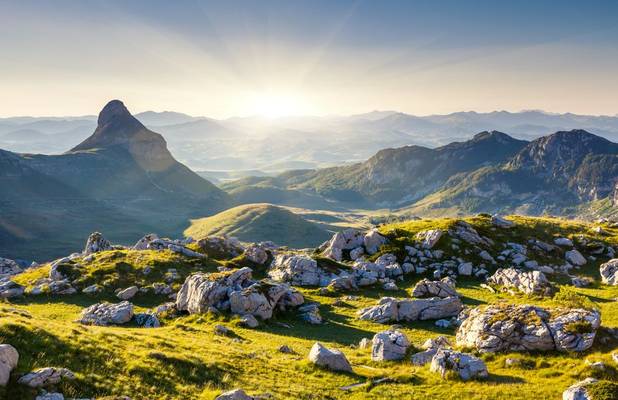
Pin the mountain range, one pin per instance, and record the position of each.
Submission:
(272, 145)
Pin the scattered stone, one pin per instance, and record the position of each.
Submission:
(372, 241)
(465, 269)
(389, 345)
(261, 299)
(311, 313)
(286, 349)
(332, 359)
(50, 396)
(429, 238)
(222, 330)
(465, 365)
(236, 394)
(364, 343)
(442, 288)
(609, 272)
(8, 361)
(528, 328)
(249, 321)
(443, 323)
(104, 314)
(500, 222)
(147, 320)
(92, 289)
(45, 377)
(528, 282)
(574, 257)
(96, 243)
(390, 309)
(127, 293)
(390, 286)
(563, 242)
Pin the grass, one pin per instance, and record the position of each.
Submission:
(185, 359)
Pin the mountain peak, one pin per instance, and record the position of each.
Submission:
(113, 110)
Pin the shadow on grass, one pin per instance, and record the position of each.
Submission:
(504, 379)
(83, 300)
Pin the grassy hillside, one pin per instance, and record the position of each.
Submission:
(260, 222)
(184, 359)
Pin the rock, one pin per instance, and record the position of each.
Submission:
(443, 323)
(390, 286)
(528, 328)
(50, 396)
(465, 365)
(147, 320)
(609, 272)
(92, 289)
(236, 394)
(8, 361)
(249, 321)
(311, 313)
(423, 357)
(343, 283)
(465, 269)
(528, 282)
(329, 358)
(500, 222)
(221, 330)
(8, 268)
(389, 345)
(390, 309)
(220, 247)
(201, 291)
(143, 243)
(442, 288)
(356, 253)
(299, 270)
(574, 257)
(256, 254)
(364, 343)
(464, 231)
(373, 240)
(96, 243)
(10, 289)
(579, 390)
(437, 343)
(261, 299)
(429, 238)
(45, 377)
(286, 349)
(107, 313)
(563, 242)
(486, 256)
(347, 239)
(127, 293)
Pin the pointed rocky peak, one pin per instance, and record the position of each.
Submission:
(494, 136)
(114, 110)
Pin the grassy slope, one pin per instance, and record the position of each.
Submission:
(184, 359)
(260, 222)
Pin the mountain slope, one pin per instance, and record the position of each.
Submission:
(260, 222)
(122, 180)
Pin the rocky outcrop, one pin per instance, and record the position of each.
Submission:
(528, 282)
(464, 231)
(8, 268)
(261, 299)
(96, 243)
(104, 314)
(501, 222)
(464, 365)
(390, 309)
(429, 238)
(10, 289)
(442, 288)
(389, 345)
(220, 247)
(8, 361)
(579, 390)
(298, 270)
(527, 328)
(609, 272)
(201, 291)
(46, 377)
(332, 359)
(355, 242)
(256, 254)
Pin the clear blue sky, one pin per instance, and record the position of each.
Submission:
(320, 57)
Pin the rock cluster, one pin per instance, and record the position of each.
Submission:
(528, 282)
(389, 345)
(96, 243)
(8, 268)
(442, 288)
(526, 328)
(104, 314)
(355, 242)
(464, 365)
(45, 377)
(390, 309)
(236, 291)
(10, 289)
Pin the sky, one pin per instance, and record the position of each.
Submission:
(236, 58)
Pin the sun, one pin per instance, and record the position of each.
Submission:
(277, 105)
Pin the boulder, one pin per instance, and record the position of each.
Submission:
(10, 289)
(464, 269)
(329, 358)
(127, 293)
(574, 257)
(50, 396)
(92, 289)
(260, 299)
(203, 290)
(500, 222)
(8, 267)
(249, 321)
(256, 254)
(429, 238)
(609, 272)
(107, 314)
(389, 345)
(563, 242)
(236, 394)
(299, 270)
(528, 282)
(147, 320)
(8, 361)
(143, 243)
(45, 377)
(373, 240)
(442, 288)
(347, 239)
(528, 328)
(464, 231)
(578, 391)
(390, 309)
(465, 365)
(96, 243)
